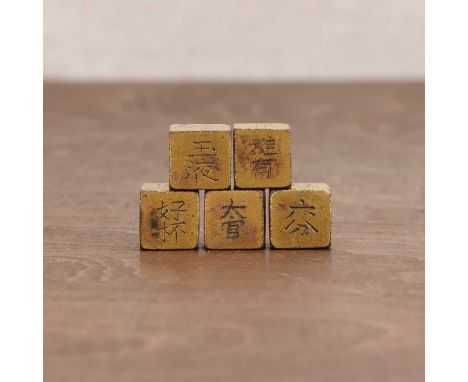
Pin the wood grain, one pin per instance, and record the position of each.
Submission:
(354, 312)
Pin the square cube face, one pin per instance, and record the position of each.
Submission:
(168, 219)
(200, 157)
(301, 216)
(234, 220)
(262, 155)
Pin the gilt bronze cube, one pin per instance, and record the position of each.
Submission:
(200, 157)
(300, 217)
(262, 155)
(168, 219)
(235, 219)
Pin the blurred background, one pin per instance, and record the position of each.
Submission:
(234, 40)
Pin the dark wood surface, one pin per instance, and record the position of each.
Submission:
(354, 312)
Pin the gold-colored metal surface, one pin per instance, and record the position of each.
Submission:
(200, 157)
(235, 219)
(300, 217)
(168, 219)
(262, 155)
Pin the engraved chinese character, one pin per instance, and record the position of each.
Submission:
(262, 168)
(234, 220)
(263, 146)
(167, 221)
(232, 228)
(202, 161)
(180, 208)
(265, 153)
(299, 219)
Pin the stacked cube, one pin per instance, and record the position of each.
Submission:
(200, 158)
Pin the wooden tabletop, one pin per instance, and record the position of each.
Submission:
(354, 312)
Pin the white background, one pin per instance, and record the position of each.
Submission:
(232, 40)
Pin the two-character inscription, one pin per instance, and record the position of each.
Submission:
(200, 157)
(300, 217)
(168, 219)
(234, 219)
(202, 161)
(262, 156)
